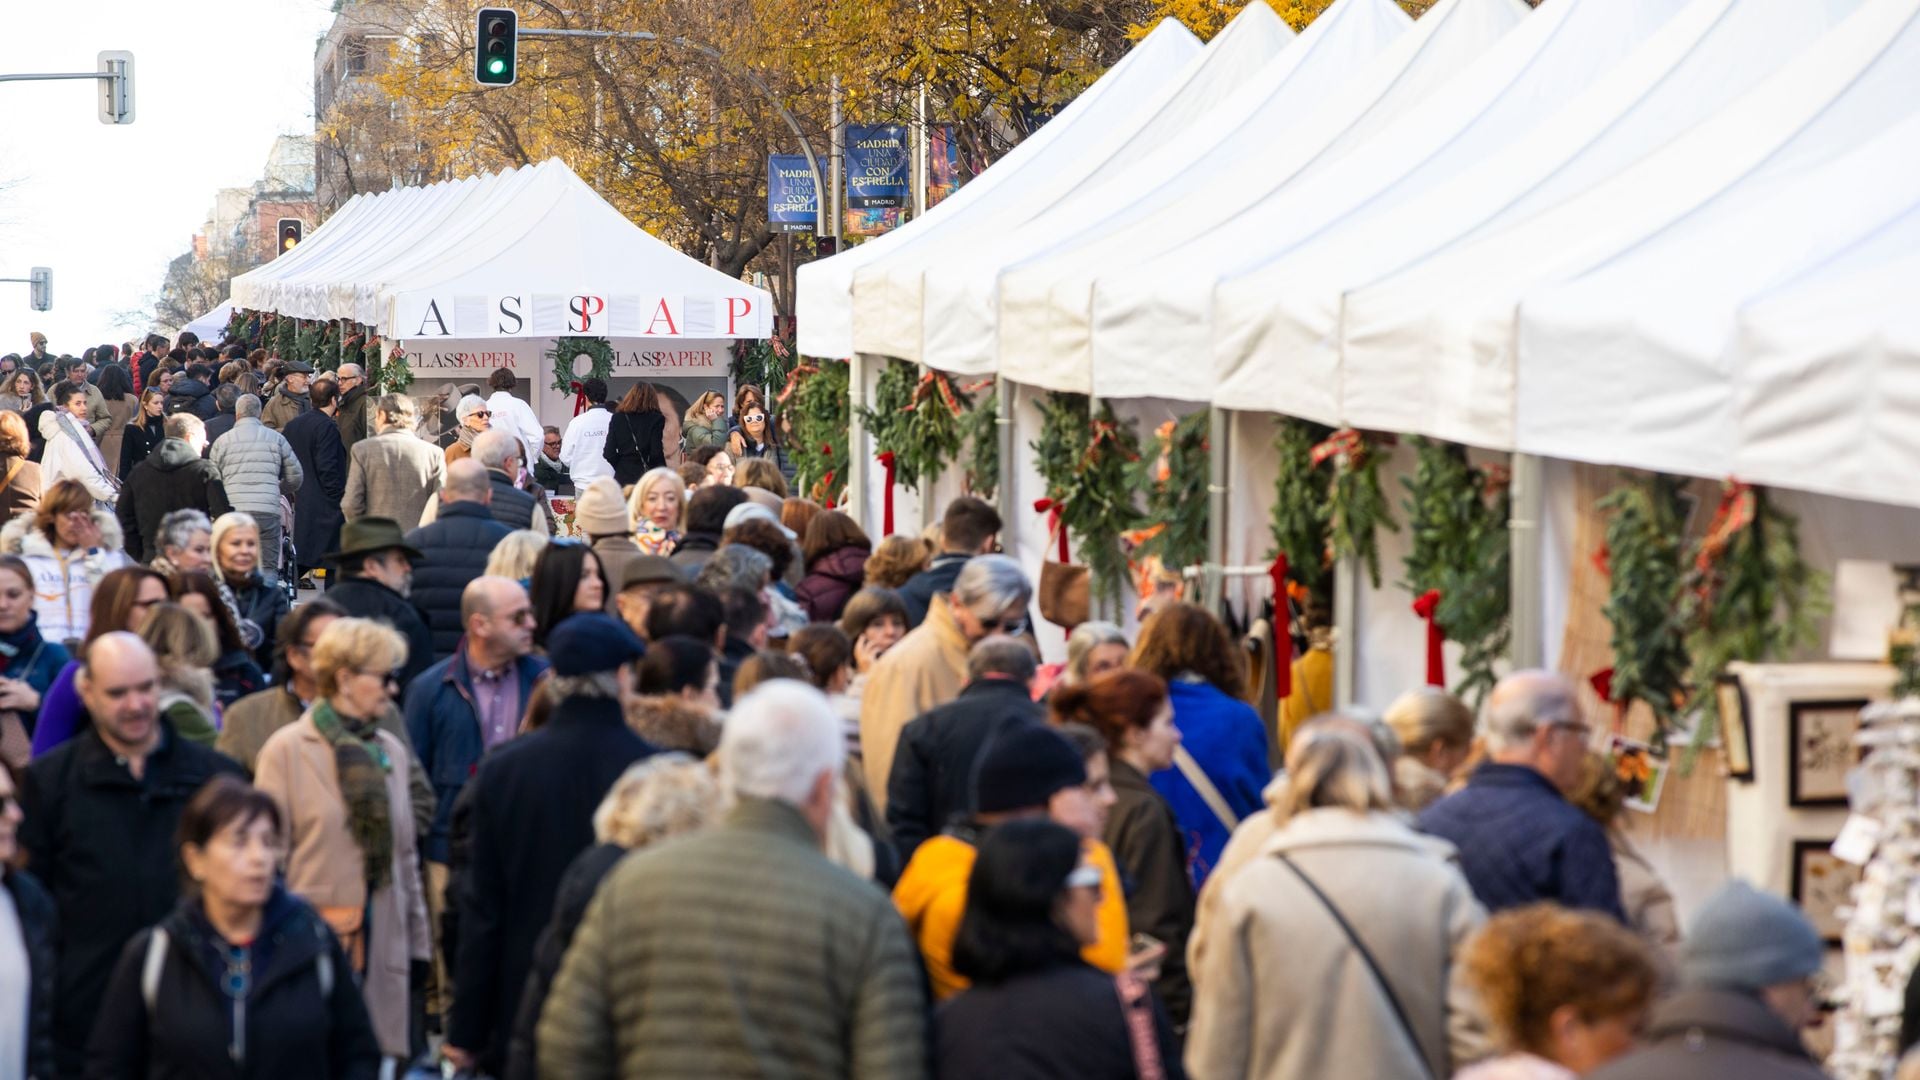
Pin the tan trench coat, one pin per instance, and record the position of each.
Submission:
(296, 768)
(926, 668)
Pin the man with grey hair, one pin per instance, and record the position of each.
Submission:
(654, 984)
(1520, 840)
(354, 417)
(456, 547)
(394, 473)
(932, 777)
(259, 469)
(928, 667)
(530, 813)
(474, 419)
(173, 477)
(501, 453)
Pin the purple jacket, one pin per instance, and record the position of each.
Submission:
(62, 714)
(831, 581)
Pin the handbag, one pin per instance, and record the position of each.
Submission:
(1066, 589)
(1366, 957)
(1137, 1006)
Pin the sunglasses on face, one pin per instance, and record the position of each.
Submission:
(482, 414)
(1012, 627)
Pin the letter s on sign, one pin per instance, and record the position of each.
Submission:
(510, 308)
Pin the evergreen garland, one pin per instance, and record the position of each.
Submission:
(329, 353)
(916, 415)
(763, 362)
(353, 349)
(286, 336)
(1086, 460)
(306, 341)
(1753, 597)
(1356, 504)
(819, 408)
(1645, 576)
(1458, 517)
(1299, 519)
(982, 426)
(395, 372)
(236, 325)
(1175, 480)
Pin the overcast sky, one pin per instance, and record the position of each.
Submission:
(107, 206)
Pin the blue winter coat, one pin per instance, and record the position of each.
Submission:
(444, 726)
(456, 545)
(1225, 736)
(1521, 841)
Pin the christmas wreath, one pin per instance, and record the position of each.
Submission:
(1087, 460)
(916, 417)
(815, 400)
(566, 350)
(983, 447)
(1461, 557)
(1175, 480)
(1356, 506)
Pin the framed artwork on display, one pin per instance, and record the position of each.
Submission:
(1822, 884)
(1736, 739)
(1820, 750)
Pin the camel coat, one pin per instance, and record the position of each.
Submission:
(296, 767)
(1280, 993)
(928, 667)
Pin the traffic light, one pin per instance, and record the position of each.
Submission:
(290, 229)
(496, 45)
(40, 288)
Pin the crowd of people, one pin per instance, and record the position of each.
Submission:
(712, 784)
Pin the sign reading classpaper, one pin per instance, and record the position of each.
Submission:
(426, 316)
(632, 358)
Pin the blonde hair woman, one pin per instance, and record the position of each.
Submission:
(185, 647)
(705, 423)
(1436, 736)
(659, 507)
(1330, 956)
(341, 785)
(513, 557)
(665, 795)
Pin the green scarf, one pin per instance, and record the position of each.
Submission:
(363, 767)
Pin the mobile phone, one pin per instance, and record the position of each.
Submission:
(1140, 943)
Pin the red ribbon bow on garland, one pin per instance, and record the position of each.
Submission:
(1602, 683)
(932, 381)
(886, 460)
(1345, 443)
(793, 381)
(579, 396)
(1426, 606)
(1282, 630)
(1053, 509)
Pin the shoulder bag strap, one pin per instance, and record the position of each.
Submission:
(1209, 794)
(1366, 957)
(151, 968)
(1137, 1007)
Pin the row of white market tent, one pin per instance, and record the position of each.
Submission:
(1680, 235)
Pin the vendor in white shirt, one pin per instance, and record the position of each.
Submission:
(580, 448)
(512, 415)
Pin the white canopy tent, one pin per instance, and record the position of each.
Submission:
(211, 326)
(1276, 324)
(1430, 349)
(825, 290)
(890, 315)
(529, 253)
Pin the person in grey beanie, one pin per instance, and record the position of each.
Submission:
(1746, 989)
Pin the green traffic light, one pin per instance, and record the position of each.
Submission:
(497, 66)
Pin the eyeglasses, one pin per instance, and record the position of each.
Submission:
(388, 678)
(754, 418)
(1580, 729)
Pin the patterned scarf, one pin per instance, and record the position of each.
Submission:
(84, 439)
(363, 766)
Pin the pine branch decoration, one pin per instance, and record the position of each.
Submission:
(1458, 517)
(1299, 519)
(1650, 661)
(982, 426)
(1175, 480)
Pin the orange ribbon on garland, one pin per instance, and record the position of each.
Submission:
(1427, 606)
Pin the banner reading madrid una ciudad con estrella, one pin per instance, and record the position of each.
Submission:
(793, 204)
(878, 167)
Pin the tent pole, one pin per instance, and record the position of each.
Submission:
(857, 441)
(1219, 436)
(1346, 604)
(1003, 431)
(1523, 534)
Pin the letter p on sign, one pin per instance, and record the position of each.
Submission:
(581, 310)
(738, 307)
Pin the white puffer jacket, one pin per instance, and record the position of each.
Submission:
(65, 459)
(63, 585)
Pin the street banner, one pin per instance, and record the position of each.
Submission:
(879, 168)
(943, 164)
(793, 204)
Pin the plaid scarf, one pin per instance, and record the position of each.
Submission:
(363, 766)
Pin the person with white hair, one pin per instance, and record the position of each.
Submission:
(1520, 840)
(928, 667)
(475, 418)
(503, 455)
(753, 954)
(258, 467)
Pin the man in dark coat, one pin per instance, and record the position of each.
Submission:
(354, 417)
(173, 477)
(707, 512)
(225, 396)
(323, 470)
(932, 778)
(456, 547)
(101, 811)
(532, 814)
(969, 528)
(376, 573)
(500, 453)
(193, 393)
(1747, 967)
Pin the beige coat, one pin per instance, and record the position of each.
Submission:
(118, 412)
(392, 475)
(296, 767)
(926, 668)
(1280, 994)
(1646, 900)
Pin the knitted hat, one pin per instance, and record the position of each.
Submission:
(1744, 939)
(1023, 768)
(600, 511)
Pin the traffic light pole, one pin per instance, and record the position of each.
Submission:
(806, 148)
(116, 70)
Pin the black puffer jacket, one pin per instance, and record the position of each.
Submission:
(172, 478)
(191, 396)
(932, 778)
(303, 1017)
(39, 924)
(266, 603)
(369, 599)
(511, 506)
(456, 547)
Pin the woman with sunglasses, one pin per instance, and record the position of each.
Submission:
(341, 785)
(755, 436)
(1032, 904)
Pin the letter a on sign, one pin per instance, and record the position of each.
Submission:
(581, 311)
(662, 314)
(433, 316)
(738, 307)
